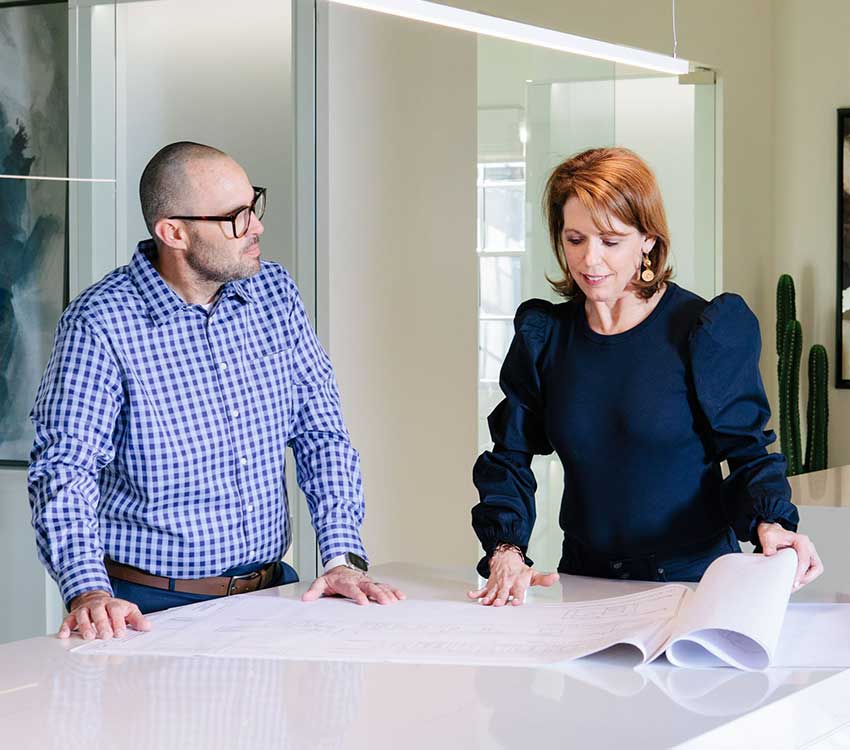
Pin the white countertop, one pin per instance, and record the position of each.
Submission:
(52, 698)
(829, 488)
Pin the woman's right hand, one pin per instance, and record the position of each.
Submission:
(509, 579)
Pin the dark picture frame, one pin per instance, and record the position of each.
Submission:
(34, 214)
(842, 302)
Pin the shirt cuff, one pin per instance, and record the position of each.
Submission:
(335, 562)
(336, 539)
(82, 577)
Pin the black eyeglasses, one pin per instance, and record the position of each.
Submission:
(240, 219)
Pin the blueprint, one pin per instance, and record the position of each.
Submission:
(444, 632)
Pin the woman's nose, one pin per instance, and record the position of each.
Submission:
(592, 251)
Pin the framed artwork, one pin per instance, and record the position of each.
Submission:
(842, 322)
(33, 210)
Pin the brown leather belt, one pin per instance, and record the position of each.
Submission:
(213, 586)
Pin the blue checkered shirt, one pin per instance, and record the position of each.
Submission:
(161, 431)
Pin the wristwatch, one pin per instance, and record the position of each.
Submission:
(350, 560)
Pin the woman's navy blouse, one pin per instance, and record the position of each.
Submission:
(641, 422)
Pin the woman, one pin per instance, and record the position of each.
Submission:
(643, 389)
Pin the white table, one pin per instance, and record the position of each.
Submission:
(52, 698)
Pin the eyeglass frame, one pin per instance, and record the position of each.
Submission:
(231, 217)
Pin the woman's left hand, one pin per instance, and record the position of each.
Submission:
(773, 538)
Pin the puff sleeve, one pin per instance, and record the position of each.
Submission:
(503, 477)
(724, 348)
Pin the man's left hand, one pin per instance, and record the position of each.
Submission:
(773, 538)
(352, 584)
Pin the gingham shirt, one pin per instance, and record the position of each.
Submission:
(161, 431)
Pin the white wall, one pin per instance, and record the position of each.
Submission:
(400, 303)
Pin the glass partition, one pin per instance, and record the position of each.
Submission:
(535, 107)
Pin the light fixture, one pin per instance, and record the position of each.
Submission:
(465, 20)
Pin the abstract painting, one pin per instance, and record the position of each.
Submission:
(33, 212)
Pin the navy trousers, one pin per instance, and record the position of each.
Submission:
(149, 599)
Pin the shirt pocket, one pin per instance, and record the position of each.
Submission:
(271, 384)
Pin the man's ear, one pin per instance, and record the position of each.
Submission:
(172, 233)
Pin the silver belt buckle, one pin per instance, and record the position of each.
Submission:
(247, 576)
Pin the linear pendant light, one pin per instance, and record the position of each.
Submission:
(465, 20)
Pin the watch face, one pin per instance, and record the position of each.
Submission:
(355, 561)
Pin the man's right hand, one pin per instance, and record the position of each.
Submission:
(97, 614)
(509, 579)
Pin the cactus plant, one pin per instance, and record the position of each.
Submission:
(789, 396)
(786, 309)
(789, 348)
(818, 410)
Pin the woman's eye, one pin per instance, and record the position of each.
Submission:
(610, 243)
(574, 240)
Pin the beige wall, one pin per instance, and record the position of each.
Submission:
(398, 308)
(812, 80)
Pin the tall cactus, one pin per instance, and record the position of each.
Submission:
(789, 396)
(786, 309)
(789, 348)
(818, 410)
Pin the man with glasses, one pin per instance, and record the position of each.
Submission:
(174, 386)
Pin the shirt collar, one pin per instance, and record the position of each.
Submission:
(239, 288)
(162, 301)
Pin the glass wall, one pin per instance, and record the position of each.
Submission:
(536, 107)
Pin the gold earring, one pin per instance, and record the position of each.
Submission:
(647, 274)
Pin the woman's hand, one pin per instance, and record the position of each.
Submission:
(510, 577)
(773, 538)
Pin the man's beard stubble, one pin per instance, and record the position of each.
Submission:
(205, 259)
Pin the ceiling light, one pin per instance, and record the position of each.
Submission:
(478, 23)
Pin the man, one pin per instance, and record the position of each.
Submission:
(174, 385)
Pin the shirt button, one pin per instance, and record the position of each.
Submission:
(223, 366)
(252, 552)
(234, 413)
(243, 461)
(249, 508)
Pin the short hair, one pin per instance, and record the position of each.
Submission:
(608, 182)
(164, 180)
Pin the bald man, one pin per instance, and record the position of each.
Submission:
(174, 386)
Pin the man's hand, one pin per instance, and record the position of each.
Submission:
(509, 579)
(773, 537)
(343, 581)
(97, 614)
